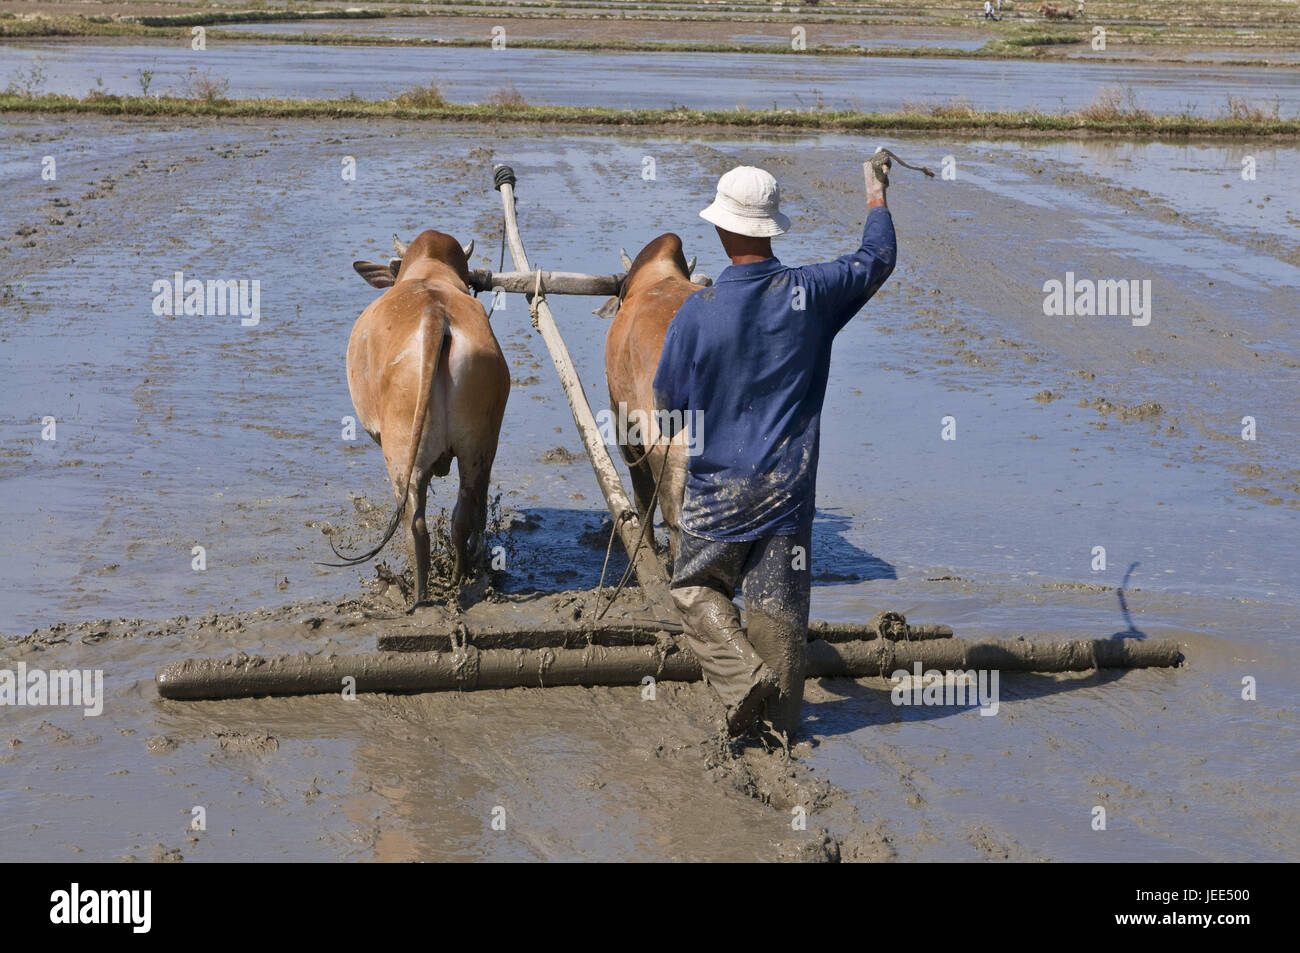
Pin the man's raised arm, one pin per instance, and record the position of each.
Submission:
(849, 281)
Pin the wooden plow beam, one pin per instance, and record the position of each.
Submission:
(468, 667)
(647, 565)
(632, 632)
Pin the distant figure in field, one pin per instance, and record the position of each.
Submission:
(988, 10)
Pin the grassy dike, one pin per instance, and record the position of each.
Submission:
(420, 105)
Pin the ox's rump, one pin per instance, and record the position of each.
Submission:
(471, 390)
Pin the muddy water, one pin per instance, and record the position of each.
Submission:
(868, 36)
(200, 431)
(1226, 54)
(828, 34)
(699, 80)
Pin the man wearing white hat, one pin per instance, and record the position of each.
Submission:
(751, 355)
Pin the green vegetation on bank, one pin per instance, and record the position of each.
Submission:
(1108, 116)
(217, 17)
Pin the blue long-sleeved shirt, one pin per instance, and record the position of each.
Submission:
(747, 360)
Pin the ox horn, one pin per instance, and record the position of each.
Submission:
(398, 247)
(690, 266)
(468, 249)
(627, 262)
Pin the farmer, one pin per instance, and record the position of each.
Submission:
(749, 357)
(988, 10)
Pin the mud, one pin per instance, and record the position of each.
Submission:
(199, 431)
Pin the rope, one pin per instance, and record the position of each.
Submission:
(537, 297)
(641, 459)
(609, 547)
(631, 563)
(882, 158)
(503, 175)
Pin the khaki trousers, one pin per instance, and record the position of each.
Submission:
(774, 576)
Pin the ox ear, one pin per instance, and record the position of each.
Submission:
(380, 276)
(609, 308)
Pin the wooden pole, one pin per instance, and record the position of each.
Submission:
(553, 282)
(636, 632)
(467, 668)
(556, 282)
(649, 569)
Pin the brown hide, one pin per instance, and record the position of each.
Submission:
(655, 287)
(430, 384)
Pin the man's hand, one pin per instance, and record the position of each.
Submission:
(876, 172)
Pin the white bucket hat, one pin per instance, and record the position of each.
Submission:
(748, 203)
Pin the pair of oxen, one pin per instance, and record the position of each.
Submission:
(430, 384)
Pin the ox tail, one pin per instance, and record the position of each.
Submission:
(434, 330)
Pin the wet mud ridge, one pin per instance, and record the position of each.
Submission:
(673, 731)
(823, 824)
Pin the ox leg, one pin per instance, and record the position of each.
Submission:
(643, 492)
(671, 489)
(417, 495)
(469, 518)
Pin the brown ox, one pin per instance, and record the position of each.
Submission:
(657, 283)
(429, 384)
(1056, 11)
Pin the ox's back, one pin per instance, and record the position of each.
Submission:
(430, 384)
(657, 285)
(471, 380)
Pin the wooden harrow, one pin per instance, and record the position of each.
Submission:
(619, 653)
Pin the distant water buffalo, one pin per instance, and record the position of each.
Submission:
(430, 384)
(1056, 11)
